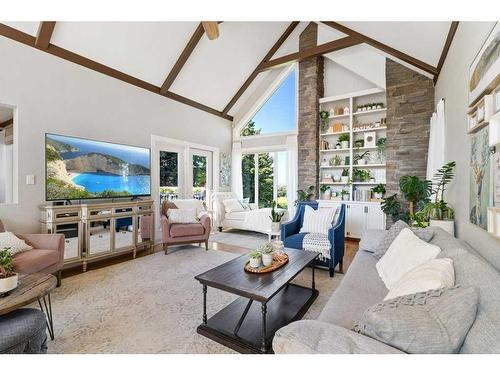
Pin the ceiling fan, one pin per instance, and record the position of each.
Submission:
(211, 29)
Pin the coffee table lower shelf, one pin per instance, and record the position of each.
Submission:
(289, 305)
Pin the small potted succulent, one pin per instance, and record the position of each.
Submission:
(345, 195)
(8, 278)
(267, 253)
(255, 259)
(360, 159)
(344, 140)
(359, 143)
(326, 193)
(275, 218)
(335, 161)
(345, 176)
(378, 191)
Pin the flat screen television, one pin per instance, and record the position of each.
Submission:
(79, 168)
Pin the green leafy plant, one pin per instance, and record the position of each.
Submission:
(415, 191)
(361, 175)
(344, 137)
(266, 248)
(6, 266)
(335, 160)
(256, 254)
(358, 157)
(305, 195)
(345, 172)
(391, 206)
(419, 219)
(359, 143)
(381, 144)
(439, 209)
(324, 188)
(275, 215)
(324, 117)
(380, 189)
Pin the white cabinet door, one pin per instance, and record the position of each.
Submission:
(375, 218)
(355, 220)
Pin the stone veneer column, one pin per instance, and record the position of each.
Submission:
(410, 103)
(310, 90)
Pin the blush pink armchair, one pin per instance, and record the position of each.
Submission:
(47, 255)
(181, 234)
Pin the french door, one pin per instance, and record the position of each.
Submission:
(200, 175)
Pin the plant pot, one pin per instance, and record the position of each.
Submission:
(8, 284)
(267, 259)
(344, 144)
(336, 178)
(377, 195)
(345, 197)
(275, 227)
(344, 179)
(327, 195)
(361, 162)
(255, 262)
(446, 225)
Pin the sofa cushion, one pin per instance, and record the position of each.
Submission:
(370, 239)
(165, 206)
(184, 230)
(425, 234)
(431, 322)
(13, 243)
(294, 241)
(182, 216)
(35, 260)
(361, 287)
(317, 221)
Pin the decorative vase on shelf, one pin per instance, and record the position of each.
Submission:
(337, 178)
(344, 179)
(344, 144)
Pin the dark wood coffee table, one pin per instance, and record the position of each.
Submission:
(34, 287)
(243, 325)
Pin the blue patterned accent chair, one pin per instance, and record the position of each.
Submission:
(291, 236)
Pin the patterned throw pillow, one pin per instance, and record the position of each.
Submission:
(182, 216)
(13, 243)
(317, 221)
(431, 322)
(424, 234)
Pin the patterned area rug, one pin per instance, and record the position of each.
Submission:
(151, 304)
(243, 238)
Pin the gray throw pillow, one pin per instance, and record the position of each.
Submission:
(425, 234)
(370, 239)
(435, 321)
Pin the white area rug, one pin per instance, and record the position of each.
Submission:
(151, 304)
(242, 238)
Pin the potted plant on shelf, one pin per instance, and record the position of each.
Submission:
(275, 218)
(335, 161)
(360, 159)
(438, 212)
(378, 191)
(345, 194)
(255, 259)
(345, 175)
(324, 118)
(326, 193)
(360, 175)
(305, 195)
(359, 143)
(344, 140)
(381, 149)
(8, 278)
(267, 253)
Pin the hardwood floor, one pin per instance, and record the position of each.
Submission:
(351, 247)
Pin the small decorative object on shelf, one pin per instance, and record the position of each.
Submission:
(345, 175)
(360, 175)
(378, 191)
(359, 143)
(338, 146)
(344, 140)
(255, 259)
(267, 253)
(336, 178)
(8, 278)
(332, 112)
(346, 110)
(336, 160)
(345, 194)
(360, 159)
(370, 140)
(337, 127)
(323, 115)
(326, 193)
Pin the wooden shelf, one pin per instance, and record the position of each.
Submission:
(368, 112)
(369, 130)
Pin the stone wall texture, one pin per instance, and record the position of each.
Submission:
(310, 91)
(410, 103)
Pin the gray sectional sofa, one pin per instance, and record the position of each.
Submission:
(361, 288)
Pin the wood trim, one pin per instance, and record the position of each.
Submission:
(256, 71)
(211, 29)
(62, 53)
(174, 72)
(335, 45)
(384, 47)
(6, 123)
(44, 34)
(446, 48)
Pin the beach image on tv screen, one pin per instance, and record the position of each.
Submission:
(82, 169)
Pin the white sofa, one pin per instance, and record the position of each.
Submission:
(256, 219)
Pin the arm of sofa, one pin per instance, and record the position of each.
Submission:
(46, 242)
(165, 229)
(290, 227)
(314, 337)
(205, 221)
(336, 236)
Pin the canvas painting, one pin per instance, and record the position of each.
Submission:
(485, 68)
(480, 178)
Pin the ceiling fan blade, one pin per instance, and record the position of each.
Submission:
(211, 29)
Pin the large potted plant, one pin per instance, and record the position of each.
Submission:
(275, 218)
(438, 211)
(305, 195)
(8, 278)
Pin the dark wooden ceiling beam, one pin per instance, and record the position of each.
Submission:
(184, 56)
(384, 47)
(6, 123)
(62, 53)
(44, 34)
(446, 48)
(211, 29)
(322, 49)
(256, 71)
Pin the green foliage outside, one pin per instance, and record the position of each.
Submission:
(57, 189)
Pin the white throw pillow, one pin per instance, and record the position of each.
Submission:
(430, 275)
(190, 203)
(182, 215)
(317, 221)
(406, 252)
(232, 205)
(15, 244)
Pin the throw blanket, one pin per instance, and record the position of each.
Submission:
(318, 243)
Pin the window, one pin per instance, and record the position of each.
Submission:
(278, 114)
(169, 175)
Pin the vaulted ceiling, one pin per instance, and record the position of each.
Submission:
(220, 75)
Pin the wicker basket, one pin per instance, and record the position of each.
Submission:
(278, 262)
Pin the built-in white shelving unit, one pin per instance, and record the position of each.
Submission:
(357, 122)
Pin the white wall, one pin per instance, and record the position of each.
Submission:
(338, 80)
(452, 86)
(53, 95)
